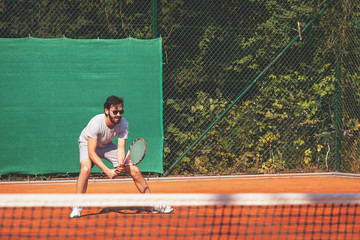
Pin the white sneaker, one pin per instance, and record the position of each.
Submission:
(76, 212)
(162, 209)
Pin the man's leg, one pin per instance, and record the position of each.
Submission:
(82, 182)
(139, 180)
(143, 187)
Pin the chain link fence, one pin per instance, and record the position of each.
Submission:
(249, 86)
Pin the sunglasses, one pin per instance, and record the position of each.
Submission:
(115, 112)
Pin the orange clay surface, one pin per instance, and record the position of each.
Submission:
(241, 184)
(232, 222)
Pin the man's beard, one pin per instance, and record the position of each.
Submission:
(113, 120)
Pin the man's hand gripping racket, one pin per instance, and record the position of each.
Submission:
(135, 154)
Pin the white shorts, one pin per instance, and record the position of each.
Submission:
(109, 153)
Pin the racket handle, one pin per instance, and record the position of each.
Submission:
(126, 159)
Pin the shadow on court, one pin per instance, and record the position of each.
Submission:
(121, 210)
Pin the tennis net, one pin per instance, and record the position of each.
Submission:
(196, 216)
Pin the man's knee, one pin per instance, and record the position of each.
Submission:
(86, 166)
(135, 172)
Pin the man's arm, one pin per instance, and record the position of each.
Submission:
(92, 143)
(121, 151)
(121, 155)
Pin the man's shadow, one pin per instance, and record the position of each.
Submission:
(121, 210)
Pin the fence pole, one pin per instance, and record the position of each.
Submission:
(154, 33)
(338, 114)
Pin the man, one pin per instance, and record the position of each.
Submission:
(95, 142)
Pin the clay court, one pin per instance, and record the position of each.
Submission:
(190, 222)
(287, 183)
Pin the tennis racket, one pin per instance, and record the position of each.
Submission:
(136, 152)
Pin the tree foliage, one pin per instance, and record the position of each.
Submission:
(213, 51)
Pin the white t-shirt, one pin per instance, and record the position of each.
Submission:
(98, 129)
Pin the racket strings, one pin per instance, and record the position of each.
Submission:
(137, 152)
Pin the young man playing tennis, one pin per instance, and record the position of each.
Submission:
(95, 143)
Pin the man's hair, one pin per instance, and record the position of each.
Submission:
(113, 100)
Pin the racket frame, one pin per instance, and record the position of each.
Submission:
(128, 153)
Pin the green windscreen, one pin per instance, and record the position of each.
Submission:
(51, 88)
